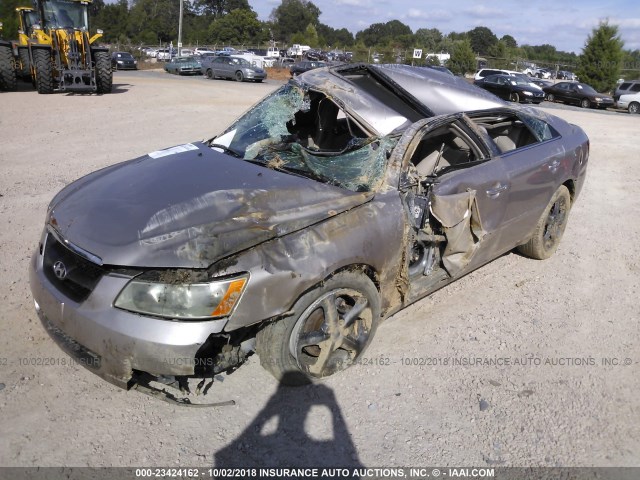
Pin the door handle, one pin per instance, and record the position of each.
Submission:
(497, 190)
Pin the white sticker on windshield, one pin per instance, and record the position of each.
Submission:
(173, 150)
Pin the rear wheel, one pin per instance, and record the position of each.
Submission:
(514, 97)
(104, 75)
(634, 107)
(549, 229)
(44, 70)
(585, 103)
(239, 76)
(332, 326)
(8, 79)
(25, 63)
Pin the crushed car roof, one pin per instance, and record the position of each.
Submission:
(389, 98)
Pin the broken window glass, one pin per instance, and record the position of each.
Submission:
(305, 133)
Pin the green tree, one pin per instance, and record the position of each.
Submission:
(601, 58)
(311, 36)
(429, 39)
(112, 18)
(238, 27)
(9, 17)
(462, 60)
(219, 8)
(482, 39)
(384, 33)
(158, 16)
(509, 41)
(292, 16)
(333, 37)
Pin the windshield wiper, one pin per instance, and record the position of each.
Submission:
(225, 149)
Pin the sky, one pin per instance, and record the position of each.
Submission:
(563, 24)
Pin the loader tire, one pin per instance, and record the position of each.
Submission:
(7, 71)
(44, 71)
(25, 70)
(104, 74)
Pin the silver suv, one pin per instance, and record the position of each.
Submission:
(627, 88)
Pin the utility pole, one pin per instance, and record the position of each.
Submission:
(180, 31)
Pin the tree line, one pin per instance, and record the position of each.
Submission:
(234, 22)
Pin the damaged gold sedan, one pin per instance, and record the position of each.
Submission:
(339, 199)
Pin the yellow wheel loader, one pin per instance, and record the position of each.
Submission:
(55, 48)
(7, 65)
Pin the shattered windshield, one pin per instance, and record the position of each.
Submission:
(305, 133)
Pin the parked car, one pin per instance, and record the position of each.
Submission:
(184, 66)
(565, 75)
(202, 50)
(629, 102)
(232, 67)
(511, 88)
(123, 61)
(304, 66)
(342, 197)
(486, 72)
(165, 54)
(578, 94)
(540, 82)
(626, 88)
(541, 73)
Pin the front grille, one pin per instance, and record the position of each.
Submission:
(80, 277)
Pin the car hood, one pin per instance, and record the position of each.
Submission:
(188, 206)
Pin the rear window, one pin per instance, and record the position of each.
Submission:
(624, 86)
(635, 87)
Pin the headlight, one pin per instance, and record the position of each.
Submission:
(598, 99)
(528, 93)
(184, 301)
(119, 61)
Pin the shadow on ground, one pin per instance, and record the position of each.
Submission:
(277, 437)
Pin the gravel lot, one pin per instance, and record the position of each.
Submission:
(566, 326)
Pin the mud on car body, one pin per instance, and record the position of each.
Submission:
(339, 199)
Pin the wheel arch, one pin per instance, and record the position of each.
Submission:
(571, 186)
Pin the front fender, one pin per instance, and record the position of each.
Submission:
(283, 269)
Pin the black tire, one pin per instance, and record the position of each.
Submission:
(104, 75)
(258, 81)
(8, 80)
(44, 70)
(585, 103)
(550, 97)
(210, 74)
(634, 108)
(239, 76)
(514, 97)
(549, 229)
(25, 62)
(315, 343)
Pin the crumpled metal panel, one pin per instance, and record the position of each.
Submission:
(460, 219)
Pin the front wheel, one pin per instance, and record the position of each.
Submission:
(585, 103)
(104, 75)
(549, 229)
(239, 76)
(44, 70)
(550, 97)
(331, 327)
(514, 97)
(634, 108)
(209, 74)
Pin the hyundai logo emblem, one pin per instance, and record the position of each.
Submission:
(60, 270)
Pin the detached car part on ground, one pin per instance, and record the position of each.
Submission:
(342, 197)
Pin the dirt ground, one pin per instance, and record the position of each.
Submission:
(537, 366)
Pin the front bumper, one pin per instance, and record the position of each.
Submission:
(112, 342)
